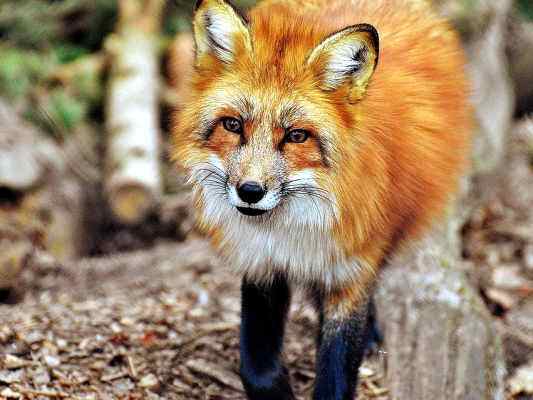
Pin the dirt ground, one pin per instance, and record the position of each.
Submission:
(153, 324)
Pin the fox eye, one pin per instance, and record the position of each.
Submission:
(232, 125)
(297, 136)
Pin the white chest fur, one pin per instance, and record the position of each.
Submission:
(305, 255)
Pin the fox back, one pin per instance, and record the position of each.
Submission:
(321, 136)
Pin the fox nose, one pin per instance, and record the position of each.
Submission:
(250, 192)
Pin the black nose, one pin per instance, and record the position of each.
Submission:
(250, 192)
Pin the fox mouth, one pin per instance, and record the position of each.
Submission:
(253, 212)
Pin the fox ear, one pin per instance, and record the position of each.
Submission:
(347, 56)
(220, 30)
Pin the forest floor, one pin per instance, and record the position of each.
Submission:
(153, 324)
(162, 323)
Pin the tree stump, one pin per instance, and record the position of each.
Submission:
(41, 203)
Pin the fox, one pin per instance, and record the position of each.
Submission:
(321, 138)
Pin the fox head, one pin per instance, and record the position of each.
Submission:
(270, 103)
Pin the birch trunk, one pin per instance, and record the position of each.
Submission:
(133, 176)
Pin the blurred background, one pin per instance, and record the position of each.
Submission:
(107, 290)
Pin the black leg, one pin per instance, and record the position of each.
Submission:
(264, 310)
(375, 336)
(343, 339)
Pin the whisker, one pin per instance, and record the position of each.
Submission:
(315, 195)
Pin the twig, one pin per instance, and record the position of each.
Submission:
(42, 392)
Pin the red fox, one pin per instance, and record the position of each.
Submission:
(321, 137)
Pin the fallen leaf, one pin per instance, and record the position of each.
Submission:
(14, 362)
(522, 381)
(149, 381)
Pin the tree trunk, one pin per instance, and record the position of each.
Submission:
(133, 177)
(520, 51)
(440, 339)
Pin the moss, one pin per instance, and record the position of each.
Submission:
(24, 78)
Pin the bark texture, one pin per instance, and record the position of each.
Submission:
(20, 164)
(133, 181)
(520, 52)
(41, 203)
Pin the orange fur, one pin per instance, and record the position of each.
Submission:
(398, 150)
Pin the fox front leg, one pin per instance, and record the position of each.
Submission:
(342, 341)
(263, 315)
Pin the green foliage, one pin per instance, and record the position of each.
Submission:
(24, 76)
(39, 36)
(526, 8)
(57, 111)
(39, 24)
(21, 70)
(29, 23)
(65, 109)
(67, 52)
(175, 23)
